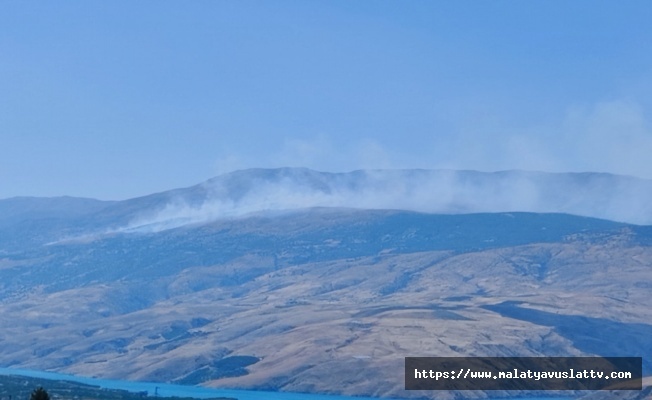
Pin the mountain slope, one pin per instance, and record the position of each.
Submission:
(325, 300)
(237, 283)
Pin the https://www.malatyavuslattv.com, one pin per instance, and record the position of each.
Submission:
(523, 373)
(516, 374)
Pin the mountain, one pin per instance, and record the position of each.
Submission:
(598, 195)
(297, 280)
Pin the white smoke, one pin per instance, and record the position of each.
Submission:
(242, 193)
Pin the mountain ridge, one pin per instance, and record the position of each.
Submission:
(599, 195)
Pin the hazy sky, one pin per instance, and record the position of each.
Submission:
(117, 99)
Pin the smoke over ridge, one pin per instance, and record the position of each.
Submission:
(613, 197)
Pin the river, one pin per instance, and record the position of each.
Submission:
(169, 390)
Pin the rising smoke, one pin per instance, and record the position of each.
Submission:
(241, 193)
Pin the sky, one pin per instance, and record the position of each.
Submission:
(119, 99)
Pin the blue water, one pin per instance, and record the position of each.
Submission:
(169, 390)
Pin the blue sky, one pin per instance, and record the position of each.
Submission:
(118, 99)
